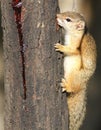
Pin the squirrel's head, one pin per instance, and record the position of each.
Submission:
(71, 21)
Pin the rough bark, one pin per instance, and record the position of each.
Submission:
(45, 106)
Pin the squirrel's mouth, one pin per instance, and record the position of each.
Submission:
(59, 22)
(58, 25)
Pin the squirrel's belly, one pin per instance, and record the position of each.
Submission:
(71, 63)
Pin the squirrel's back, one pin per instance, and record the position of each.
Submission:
(77, 101)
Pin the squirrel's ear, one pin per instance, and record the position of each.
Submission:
(80, 25)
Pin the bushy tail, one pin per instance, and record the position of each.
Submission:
(77, 109)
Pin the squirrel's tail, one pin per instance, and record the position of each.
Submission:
(77, 109)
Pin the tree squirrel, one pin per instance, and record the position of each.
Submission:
(79, 51)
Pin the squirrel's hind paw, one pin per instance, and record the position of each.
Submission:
(63, 85)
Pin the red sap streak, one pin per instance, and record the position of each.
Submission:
(17, 6)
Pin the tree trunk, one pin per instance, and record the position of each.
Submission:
(33, 70)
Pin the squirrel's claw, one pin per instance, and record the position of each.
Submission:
(57, 46)
(63, 85)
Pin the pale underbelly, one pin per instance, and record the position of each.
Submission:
(71, 63)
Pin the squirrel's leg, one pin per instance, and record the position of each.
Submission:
(76, 80)
(71, 84)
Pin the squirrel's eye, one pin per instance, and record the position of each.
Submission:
(68, 20)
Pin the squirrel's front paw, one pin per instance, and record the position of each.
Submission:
(59, 47)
